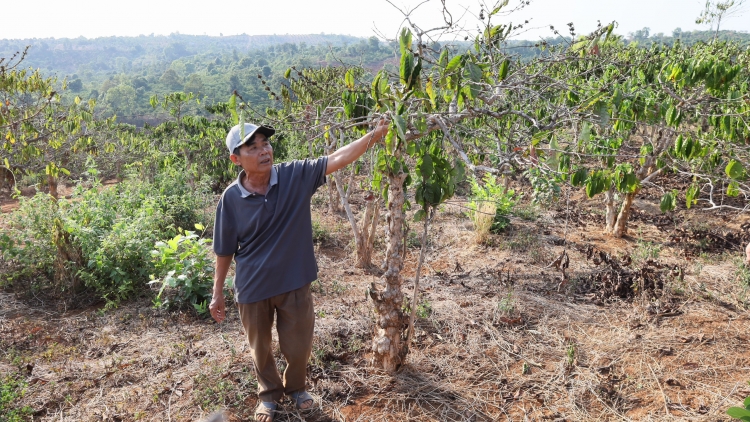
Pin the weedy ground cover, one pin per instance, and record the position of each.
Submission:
(496, 339)
(96, 244)
(12, 390)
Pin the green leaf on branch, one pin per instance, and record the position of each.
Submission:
(443, 59)
(668, 201)
(400, 124)
(733, 189)
(673, 116)
(678, 144)
(735, 170)
(739, 413)
(419, 216)
(504, 67)
(424, 164)
(430, 90)
(691, 195)
(407, 64)
(475, 72)
(405, 40)
(349, 79)
(596, 184)
(414, 76)
(453, 65)
(579, 177)
(499, 6)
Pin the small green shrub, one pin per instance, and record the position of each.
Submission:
(27, 245)
(12, 389)
(320, 233)
(493, 199)
(645, 251)
(507, 305)
(188, 269)
(424, 309)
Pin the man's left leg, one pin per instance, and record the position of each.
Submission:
(295, 323)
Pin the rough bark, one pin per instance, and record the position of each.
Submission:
(333, 194)
(415, 296)
(367, 234)
(609, 203)
(621, 228)
(387, 346)
(364, 237)
(52, 184)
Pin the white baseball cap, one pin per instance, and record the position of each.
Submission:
(234, 140)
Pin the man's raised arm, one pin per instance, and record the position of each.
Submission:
(346, 155)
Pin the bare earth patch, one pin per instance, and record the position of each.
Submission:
(500, 336)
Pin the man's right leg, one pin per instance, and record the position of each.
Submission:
(257, 320)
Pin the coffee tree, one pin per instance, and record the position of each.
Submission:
(646, 112)
(439, 104)
(40, 134)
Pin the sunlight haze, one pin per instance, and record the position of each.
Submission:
(92, 19)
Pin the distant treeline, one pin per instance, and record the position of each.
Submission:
(122, 73)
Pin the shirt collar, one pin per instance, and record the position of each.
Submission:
(245, 193)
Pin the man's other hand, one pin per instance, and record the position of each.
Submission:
(217, 308)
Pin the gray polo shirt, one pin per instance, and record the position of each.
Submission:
(270, 235)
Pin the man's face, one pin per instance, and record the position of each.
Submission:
(255, 156)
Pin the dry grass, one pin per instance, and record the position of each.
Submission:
(482, 218)
(500, 343)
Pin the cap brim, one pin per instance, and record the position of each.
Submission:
(266, 130)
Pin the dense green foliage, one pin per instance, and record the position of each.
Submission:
(100, 239)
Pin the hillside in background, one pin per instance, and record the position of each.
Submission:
(122, 73)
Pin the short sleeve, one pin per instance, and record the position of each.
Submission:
(315, 171)
(225, 229)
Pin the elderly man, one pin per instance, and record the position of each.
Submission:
(263, 222)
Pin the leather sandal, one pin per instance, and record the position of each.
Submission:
(265, 408)
(301, 397)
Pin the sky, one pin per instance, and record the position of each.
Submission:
(382, 18)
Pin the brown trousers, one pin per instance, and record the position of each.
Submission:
(295, 322)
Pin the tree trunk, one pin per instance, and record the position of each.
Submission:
(387, 346)
(415, 296)
(52, 184)
(621, 227)
(363, 237)
(369, 226)
(333, 195)
(609, 202)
